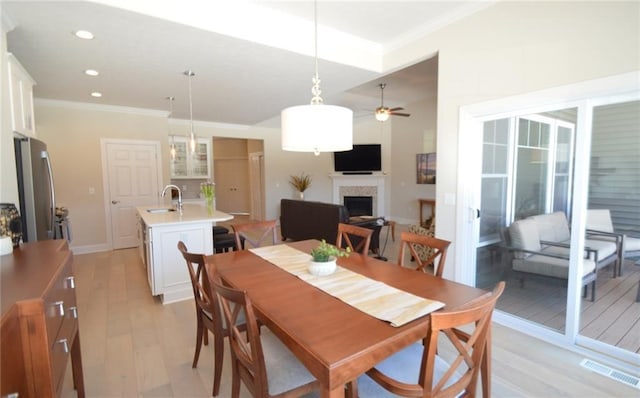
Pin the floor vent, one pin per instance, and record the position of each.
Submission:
(611, 373)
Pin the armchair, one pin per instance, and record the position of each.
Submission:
(553, 229)
(530, 256)
(600, 226)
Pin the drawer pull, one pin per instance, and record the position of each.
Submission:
(12, 395)
(65, 345)
(70, 282)
(57, 308)
(73, 311)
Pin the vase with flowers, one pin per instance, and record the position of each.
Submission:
(208, 191)
(324, 258)
(300, 183)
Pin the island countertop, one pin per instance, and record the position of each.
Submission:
(191, 213)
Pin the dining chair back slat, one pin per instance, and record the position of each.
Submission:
(255, 234)
(347, 234)
(437, 257)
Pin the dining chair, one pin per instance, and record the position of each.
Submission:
(255, 234)
(414, 242)
(360, 235)
(208, 313)
(418, 370)
(258, 358)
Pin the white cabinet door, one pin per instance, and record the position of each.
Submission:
(21, 98)
(191, 165)
(169, 270)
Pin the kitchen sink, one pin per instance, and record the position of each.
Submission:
(161, 210)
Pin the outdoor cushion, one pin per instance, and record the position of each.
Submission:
(600, 220)
(552, 227)
(524, 235)
(605, 248)
(549, 266)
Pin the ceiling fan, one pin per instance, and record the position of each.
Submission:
(382, 113)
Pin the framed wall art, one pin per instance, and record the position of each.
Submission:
(426, 168)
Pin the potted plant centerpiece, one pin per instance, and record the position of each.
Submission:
(301, 183)
(324, 258)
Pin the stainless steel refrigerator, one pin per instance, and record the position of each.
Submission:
(36, 190)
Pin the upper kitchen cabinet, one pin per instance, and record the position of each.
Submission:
(191, 165)
(21, 98)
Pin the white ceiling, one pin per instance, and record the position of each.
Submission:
(251, 58)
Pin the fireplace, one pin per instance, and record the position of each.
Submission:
(359, 205)
(368, 186)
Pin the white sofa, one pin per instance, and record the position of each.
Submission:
(540, 245)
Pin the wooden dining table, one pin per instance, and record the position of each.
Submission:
(334, 340)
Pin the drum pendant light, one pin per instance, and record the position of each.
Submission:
(317, 127)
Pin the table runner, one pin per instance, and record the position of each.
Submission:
(368, 295)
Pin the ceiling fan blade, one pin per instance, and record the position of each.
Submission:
(400, 114)
(396, 109)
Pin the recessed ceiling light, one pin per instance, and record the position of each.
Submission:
(91, 72)
(96, 94)
(83, 34)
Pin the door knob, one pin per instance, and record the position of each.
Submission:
(115, 202)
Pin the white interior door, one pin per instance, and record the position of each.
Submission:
(133, 180)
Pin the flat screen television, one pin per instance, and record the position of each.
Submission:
(362, 158)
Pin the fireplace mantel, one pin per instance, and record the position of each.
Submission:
(373, 184)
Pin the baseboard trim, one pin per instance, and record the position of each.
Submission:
(90, 248)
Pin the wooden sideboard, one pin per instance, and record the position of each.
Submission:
(39, 329)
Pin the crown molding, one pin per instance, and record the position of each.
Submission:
(99, 107)
(87, 106)
(215, 125)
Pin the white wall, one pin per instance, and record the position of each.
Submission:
(409, 137)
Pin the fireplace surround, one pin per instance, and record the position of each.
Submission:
(360, 186)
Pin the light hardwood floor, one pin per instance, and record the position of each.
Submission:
(133, 346)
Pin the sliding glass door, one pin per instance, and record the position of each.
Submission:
(568, 159)
(526, 171)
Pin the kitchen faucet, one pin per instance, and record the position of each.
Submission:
(171, 186)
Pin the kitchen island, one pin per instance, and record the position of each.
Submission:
(159, 231)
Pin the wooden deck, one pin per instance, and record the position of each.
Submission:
(613, 318)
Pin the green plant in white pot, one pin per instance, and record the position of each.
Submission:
(324, 258)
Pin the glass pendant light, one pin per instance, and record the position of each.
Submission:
(172, 145)
(317, 127)
(192, 135)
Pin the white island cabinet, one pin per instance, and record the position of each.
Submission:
(160, 232)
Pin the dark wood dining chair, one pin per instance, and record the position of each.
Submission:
(255, 234)
(348, 233)
(259, 359)
(437, 251)
(418, 370)
(208, 314)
